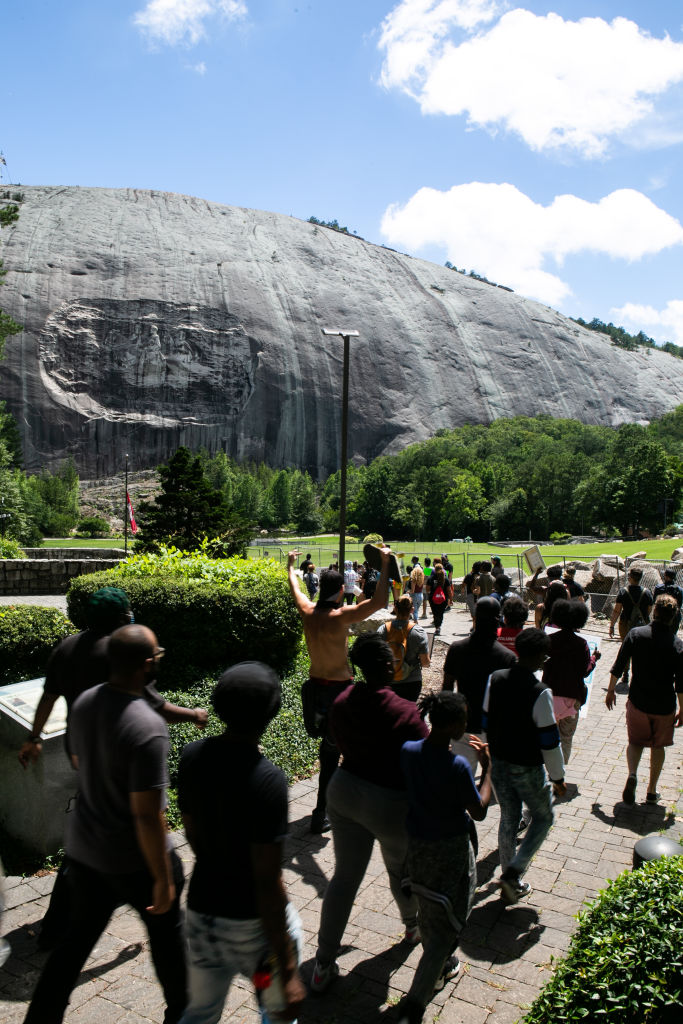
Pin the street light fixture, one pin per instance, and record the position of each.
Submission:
(344, 435)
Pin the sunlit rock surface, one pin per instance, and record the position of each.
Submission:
(154, 320)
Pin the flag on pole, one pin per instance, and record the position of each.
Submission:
(131, 514)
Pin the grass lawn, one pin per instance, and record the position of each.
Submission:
(324, 550)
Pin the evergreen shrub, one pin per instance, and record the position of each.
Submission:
(207, 613)
(27, 635)
(625, 960)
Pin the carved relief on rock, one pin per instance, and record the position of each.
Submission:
(146, 355)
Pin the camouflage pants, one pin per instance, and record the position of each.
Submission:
(443, 876)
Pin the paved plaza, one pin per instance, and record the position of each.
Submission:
(507, 951)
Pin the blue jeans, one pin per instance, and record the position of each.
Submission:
(516, 784)
(220, 948)
(417, 604)
(361, 812)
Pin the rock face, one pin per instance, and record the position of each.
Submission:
(154, 320)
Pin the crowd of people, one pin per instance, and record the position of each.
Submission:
(411, 770)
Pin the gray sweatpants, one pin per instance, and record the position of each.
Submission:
(360, 813)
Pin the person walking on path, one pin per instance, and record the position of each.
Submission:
(234, 806)
(468, 665)
(569, 663)
(632, 607)
(656, 657)
(326, 631)
(515, 614)
(410, 648)
(437, 585)
(523, 737)
(350, 582)
(312, 580)
(467, 588)
(417, 585)
(77, 663)
(670, 587)
(448, 569)
(117, 845)
(427, 570)
(367, 798)
(440, 865)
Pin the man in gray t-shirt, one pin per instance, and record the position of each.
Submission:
(117, 848)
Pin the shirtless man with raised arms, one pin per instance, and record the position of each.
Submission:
(326, 629)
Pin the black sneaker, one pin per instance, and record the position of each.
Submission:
(629, 794)
(514, 889)
(451, 969)
(319, 823)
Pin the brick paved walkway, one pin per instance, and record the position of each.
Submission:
(507, 951)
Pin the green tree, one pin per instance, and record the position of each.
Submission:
(304, 512)
(465, 504)
(188, 509)
(280, 498)
(55, 499)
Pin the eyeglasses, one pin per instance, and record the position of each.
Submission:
(160, 652)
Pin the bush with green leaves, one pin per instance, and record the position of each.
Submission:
(207, 613)
(10, 548)
(625, 960)
(27, 635)
(285, 741)
(93, 526)
(373, 538)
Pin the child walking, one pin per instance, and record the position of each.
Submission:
(569, 663)
(440, 865)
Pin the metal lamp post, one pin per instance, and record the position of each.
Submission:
(344, 436)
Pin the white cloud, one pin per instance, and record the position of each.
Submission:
(178, 21)
(662, 324)
(555, 83)
(499, 231)
(199, 69)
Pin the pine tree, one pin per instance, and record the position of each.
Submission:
(188, 509)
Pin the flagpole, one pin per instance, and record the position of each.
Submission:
(125, 511)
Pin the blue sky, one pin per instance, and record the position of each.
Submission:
(540, 144)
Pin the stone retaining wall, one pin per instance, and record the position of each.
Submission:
(25, 576)
(78, 553)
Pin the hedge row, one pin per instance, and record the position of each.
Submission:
(205, 624)
(27, 635)
(625, 960)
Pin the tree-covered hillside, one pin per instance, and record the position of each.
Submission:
(519, 476)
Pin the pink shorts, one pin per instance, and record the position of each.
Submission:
(646, 730)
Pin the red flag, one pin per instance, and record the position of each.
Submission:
(131, 514)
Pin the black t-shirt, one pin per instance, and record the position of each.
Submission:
(77, 663)
(235, 797)
(656, 657)
(471, 662)
(575, 589)
(671, 589)
(629, 597)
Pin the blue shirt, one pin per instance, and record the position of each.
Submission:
(440, 785)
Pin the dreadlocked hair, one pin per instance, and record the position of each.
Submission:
(442, 707)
